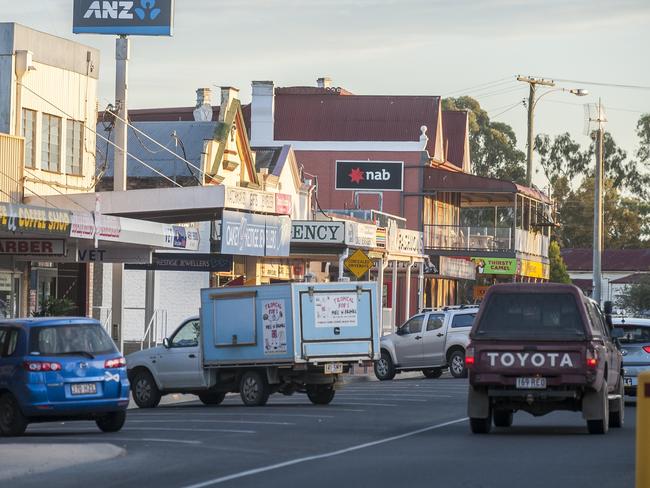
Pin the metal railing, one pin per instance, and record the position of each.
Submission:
(156, 330)
(468, 238)
(153, 332)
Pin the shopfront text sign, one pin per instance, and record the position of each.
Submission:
(446, 267)
(309, 231)
(33, 219)
(505, 266)
(410, 242)
(358, 234)
(534, 269)
(186, 261)
(369, 175)
(33, 247)
(134, 17)
(257, 201)
(255, 235)
(140, 255)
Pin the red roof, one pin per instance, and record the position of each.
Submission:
(613, 259)
(317, 114)
(454, 134)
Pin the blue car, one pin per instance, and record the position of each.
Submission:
(635, 347)
(54, 369)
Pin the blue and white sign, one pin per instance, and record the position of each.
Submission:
(255, 235)
(119, 17)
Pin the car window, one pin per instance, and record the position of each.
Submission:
(414, 325)
(4, 335)
(10, 342)
(596, 319)
(187, 335)
(57, 340)
(435, 321)
(462, 320)
(634, 334)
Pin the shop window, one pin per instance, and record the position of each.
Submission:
(74, 147)
(29, 133)
(526, 214)
(50, 142)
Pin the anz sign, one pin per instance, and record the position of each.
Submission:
(120, 17)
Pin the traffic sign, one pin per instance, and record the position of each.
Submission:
(358, 263)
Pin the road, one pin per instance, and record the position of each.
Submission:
(403, 433)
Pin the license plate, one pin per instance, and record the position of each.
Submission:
(83, 389)
(333, 368)
(531, 383)
(627, 381)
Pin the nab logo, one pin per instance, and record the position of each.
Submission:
(122, 10)
(357, 175)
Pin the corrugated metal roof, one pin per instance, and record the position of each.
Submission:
(327, 117)
(267, 157)
(612, 259)
(454, 134)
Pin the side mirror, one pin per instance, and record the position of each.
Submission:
(166, 343)
(400, 331)
(607, 308)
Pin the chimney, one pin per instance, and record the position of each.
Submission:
(324, 82)
(262, 113)
(228, 95)
(203, 110)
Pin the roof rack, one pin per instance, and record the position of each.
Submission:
(449, 307)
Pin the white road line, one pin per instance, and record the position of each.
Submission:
(258, 422)
(399, 395)
(263, 469)
(151, 439)
(378, 397)
(68, 430)
(368, 404)
(225, 414)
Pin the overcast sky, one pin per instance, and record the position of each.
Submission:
(399, 47)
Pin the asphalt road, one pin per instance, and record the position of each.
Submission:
(403, 433)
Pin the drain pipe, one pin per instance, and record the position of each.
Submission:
(343, 257)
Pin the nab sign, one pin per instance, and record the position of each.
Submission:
(369, 175)
(119, 17)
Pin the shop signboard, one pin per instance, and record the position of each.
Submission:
(251, 200)
(317, 232)
(500, 266)
(282, 204)
(186, 261)
(479, 292)
(181, 237)
(135, 255)
(91, 226)
(409, 242)
(255, 235)
(534, 269)
(135, 17)
(33, 219)
(369, 175)
(358, 234)
(33, 247)
(458, 268)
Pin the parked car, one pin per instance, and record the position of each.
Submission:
(431, 341)
(635, 347)
(54, 369)
(539, 348)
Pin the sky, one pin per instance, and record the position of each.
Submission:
(391, 47)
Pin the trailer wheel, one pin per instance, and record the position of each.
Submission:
(211, 397)
(254, 389)
(320, 394)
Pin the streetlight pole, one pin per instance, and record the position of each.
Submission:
(598, 209)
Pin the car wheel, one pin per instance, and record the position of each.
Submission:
(432, 373)
(457, 364)
(503, 418)
(320, 394)
(617, 407)
(145, 392)
(212, 398)
(480, 425)
(112, 422)
(12, 420)
(253, 389)
(601, 426)
(384, 367)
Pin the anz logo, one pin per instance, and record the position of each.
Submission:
(122, 10)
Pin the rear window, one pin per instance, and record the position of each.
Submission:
(543, 316)
(634, 334)
(77, 339)
(463, 320)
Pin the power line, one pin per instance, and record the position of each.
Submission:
(476, 86)
(500, 92)
(618, 109)
(506, 110)
(599, 83)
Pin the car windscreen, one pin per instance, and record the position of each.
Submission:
(74, 339)
(634, 334)
(539, 316)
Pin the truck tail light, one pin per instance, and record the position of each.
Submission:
(646, 349)
(40, 366)
(470, 360)
(115, 363)
(592, 360)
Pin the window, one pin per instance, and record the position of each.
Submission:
(413, 326)
(8, 341)
(76, 339)
(435, 321)
(187, 335)
(74, 147)
(29, 133)
(463, 320)
(634, 334)
(50, 142)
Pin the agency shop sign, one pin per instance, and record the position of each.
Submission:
(316, 232)
(370, 175)
(119, 17)
(255, 235)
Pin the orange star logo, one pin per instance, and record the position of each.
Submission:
(356, 175)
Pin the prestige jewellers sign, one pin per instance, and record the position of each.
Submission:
(370, 175)
(119, 17)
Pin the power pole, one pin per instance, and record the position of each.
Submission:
(532, 82)
(598, 208)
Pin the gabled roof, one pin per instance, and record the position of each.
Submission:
(612, 259)
(455, 133)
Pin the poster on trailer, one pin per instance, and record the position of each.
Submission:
(275, 327)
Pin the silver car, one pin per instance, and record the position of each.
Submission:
(635, 347)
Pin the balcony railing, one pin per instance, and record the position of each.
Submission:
(474, 238)
(12, 160)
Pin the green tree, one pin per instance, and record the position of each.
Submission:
(636, 297)
(54, 307)
(493, 145)
(558, 272)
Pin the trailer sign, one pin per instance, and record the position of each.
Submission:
(119, 17)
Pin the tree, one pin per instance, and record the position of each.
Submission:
(636, 297)
(493, 145)
(558, 271)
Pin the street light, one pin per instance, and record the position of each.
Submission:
(533, 82)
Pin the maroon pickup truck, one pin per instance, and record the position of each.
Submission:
(540, 348)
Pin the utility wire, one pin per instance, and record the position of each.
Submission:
(506, 110)
(599, 83)
(51, 185)
(102, 137)
(476, 86)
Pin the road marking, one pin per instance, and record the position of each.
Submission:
(400, 395)
(263, 469)
(368, 404)
(258, 422)
(151, 439)
(225, 414)
(51, 431)
(377, 397)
